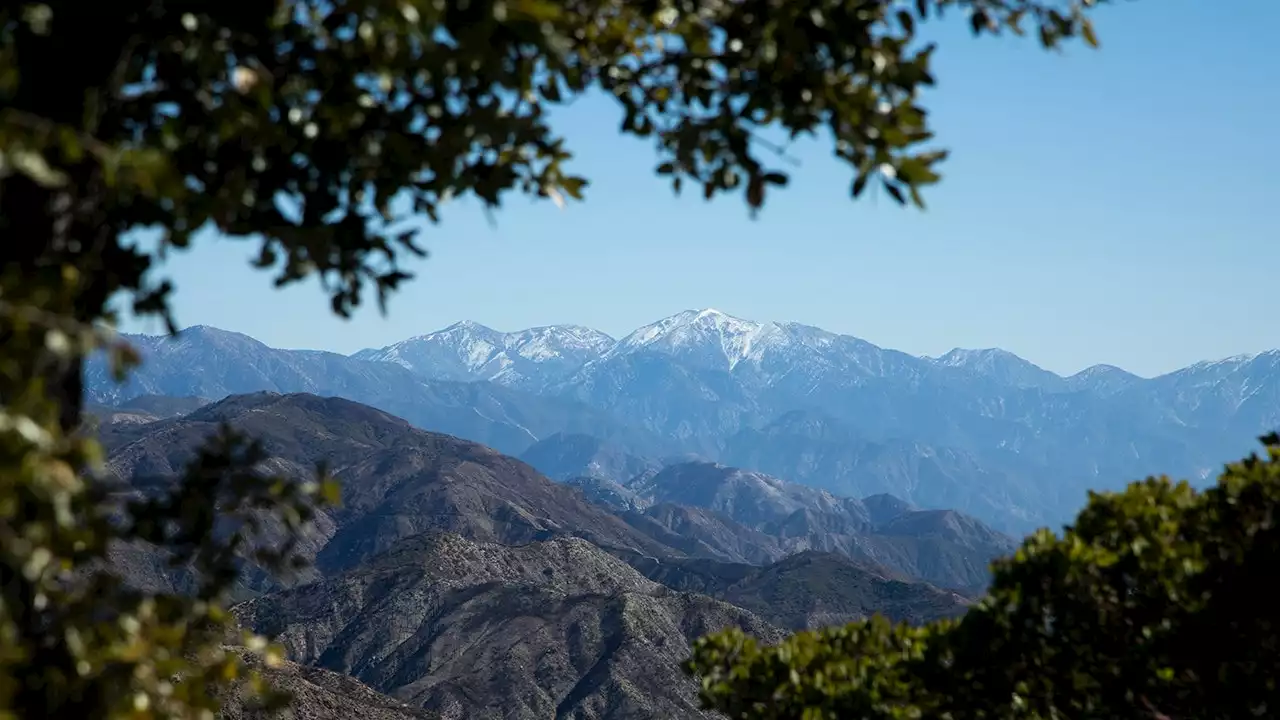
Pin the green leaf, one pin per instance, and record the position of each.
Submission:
(755, 191)
(573, 186)
(331, 492)
(905, 20)
(32, 164)
(916, 198)
(860, 183)
(1086, 29)
(894, 192)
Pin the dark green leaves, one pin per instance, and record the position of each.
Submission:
(300, 124)
(857, 671)
(75, 640)
(224, 509)
(854, 70)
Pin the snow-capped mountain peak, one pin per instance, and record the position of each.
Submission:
(470, 326)
(707, 338)
(1102, 379)
(1001, 365)
(967, 357)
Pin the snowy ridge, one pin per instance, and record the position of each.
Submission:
(471, 351)
(1103, 379)
(1096, 371)
(710, 337)
(1235, 363)
(768, 351)
(985, 358)
(1240, 383)
(764, 352)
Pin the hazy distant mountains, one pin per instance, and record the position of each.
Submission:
(982, 431)
(210, 363)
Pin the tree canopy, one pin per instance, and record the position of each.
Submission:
(297, 123)
(314, 129)
(1156, 603)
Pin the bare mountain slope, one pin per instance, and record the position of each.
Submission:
(319, 694)
(551, 629)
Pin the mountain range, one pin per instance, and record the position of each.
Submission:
(980, 431)
(455, 581)
(536, 524)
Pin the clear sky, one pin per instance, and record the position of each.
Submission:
(1114, 206)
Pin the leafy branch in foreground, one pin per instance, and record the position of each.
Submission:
(1158, 602)
(318, 128)
(75, 640)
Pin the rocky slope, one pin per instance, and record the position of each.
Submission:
(318, 694)
(144, 409)
(711, 510)
(699, 532)
(399, 481)
(554, 628)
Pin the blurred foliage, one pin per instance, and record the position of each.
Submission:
(317, 129)
(1156, 604)
(74, 639)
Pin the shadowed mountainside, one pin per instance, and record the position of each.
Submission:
(397, 481)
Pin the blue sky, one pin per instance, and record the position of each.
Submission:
(1110, 206)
